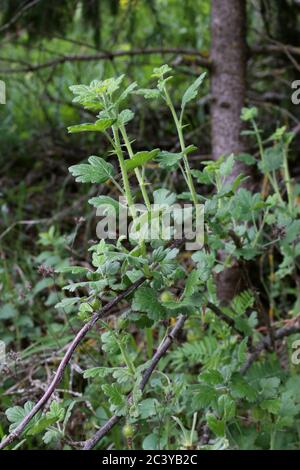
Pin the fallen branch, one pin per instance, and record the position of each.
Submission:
(65, 361)
(161, 351)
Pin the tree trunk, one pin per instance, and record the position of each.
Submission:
(228, 87)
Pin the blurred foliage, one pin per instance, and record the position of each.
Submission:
(40, 203)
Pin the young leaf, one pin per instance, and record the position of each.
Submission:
(227, 166)
(192, 91)
(149, 93)
(273, 159)
(124, 117)
(98, 171)
(126, 92)
(168, 159)
(117, 400)
(145, 300)
(164, 196)
(216, 425)
(249, 113)
(104, 201)
(17, 413)
(99, 126)
(140, 159)
(161, 71)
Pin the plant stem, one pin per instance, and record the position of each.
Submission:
(126, 184)
(287, 179)
(261, 152)
(136, 170)
(183, 148)
(140, 180)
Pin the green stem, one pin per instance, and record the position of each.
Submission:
(149, 338)
(141, 183)
(136, 170)
(261, 152)
(287, 180)
(183, 148)
(126, 184)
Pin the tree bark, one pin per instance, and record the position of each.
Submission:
(228, 85)
(228, 88)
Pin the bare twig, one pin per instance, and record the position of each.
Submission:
(110, 55)
(275, 48)
(18, 15)
(161, 351)
(265, 343)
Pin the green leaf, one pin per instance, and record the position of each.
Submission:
(99, 126)
(227, 166)
(145, 300)
(212, 377)
(42, 424)
(16, 414)
(8, 311)
(249, 114)
(191, 283)
(272, 406)
(127, 92)
(246, 158)
(192, 90)
(148, 407)
(240, 388)
(67, 302)
(164, 196)
(140, 159)
(104, 201)
(124, 117)
(168, 159)
(51, 435)
(292, 232)
(217, 426)
(99, 372)
(56, 411)
(269, 386)
(205, 396)
(117, 400)
(272, 160)
(159, 72)
(98, 171)
(73, 270)
(149, 93)
(226, 406)
(122, 375)
(151, 442)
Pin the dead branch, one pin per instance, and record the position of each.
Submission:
(109, 55)
(65, 361)
(163, 348)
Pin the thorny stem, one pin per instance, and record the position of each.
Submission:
(287, 178)
(273, 181)
(136, 170)
(178, 125)
(126, 184)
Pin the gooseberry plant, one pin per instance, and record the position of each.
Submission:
(225, 379)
